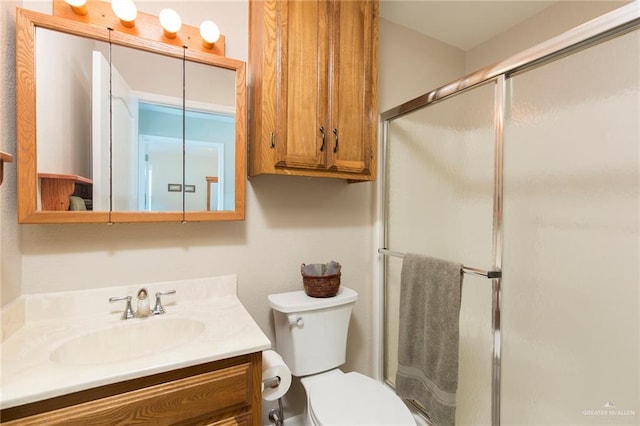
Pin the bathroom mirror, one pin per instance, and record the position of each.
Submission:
(136, 130)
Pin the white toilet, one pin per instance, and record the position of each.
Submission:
(311, 337)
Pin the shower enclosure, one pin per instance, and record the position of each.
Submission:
(529, 171)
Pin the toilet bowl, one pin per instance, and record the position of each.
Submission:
(337, 398)
(311, 337)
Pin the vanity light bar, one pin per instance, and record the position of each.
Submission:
(140, 24)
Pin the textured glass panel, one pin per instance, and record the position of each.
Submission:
(571, 244)
(440, 204)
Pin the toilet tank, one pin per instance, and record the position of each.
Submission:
(311, 333)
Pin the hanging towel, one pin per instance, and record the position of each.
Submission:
(430, 291)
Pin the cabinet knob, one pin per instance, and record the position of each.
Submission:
(323, 137)
(335, 133)
(273, 140)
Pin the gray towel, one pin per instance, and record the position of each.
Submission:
(76, 203)
(430, 291)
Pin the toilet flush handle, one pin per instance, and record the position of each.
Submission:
(295, 320)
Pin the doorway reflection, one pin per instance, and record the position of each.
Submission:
(160, 185)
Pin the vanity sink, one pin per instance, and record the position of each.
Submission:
(132, 339)
(72, 342)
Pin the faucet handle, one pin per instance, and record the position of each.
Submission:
(158, 308)
(128, 311)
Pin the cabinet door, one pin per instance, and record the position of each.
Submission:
(189, 400)
(353, 86)
(301, 107)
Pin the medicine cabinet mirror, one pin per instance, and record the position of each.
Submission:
(114, 128)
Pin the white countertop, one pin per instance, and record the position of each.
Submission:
(28, 374)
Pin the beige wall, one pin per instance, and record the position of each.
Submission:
(411, 64)
(549, 23)
(10, 258)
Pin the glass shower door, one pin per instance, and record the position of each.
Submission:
(571, 244)
(440, 180)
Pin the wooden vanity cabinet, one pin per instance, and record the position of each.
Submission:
(313, 88)
(220, 393)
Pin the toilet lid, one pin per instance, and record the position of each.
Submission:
(354, 399)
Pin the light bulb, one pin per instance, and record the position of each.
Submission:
(125, 10)
(170, 21)
(79, 7)
(210, 33)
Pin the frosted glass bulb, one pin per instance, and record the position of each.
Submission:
(170, 21)
(210, 33)
(125, 10)
(79, 7)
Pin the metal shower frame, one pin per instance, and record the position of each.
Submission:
(611, 25)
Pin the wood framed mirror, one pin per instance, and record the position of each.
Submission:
(113, 127)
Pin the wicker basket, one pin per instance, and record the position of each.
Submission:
(321, 286)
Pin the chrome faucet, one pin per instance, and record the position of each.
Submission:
(143, 308)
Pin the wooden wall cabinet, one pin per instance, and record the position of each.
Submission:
(313, 88)
(221, 393)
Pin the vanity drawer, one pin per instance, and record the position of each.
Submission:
(222, 397)
(242, 420)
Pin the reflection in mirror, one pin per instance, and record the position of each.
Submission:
(210, 129)
(64, 72)
(160, 161)
(160, 136)
(147, 131)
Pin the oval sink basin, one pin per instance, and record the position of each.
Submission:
(127, 341)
